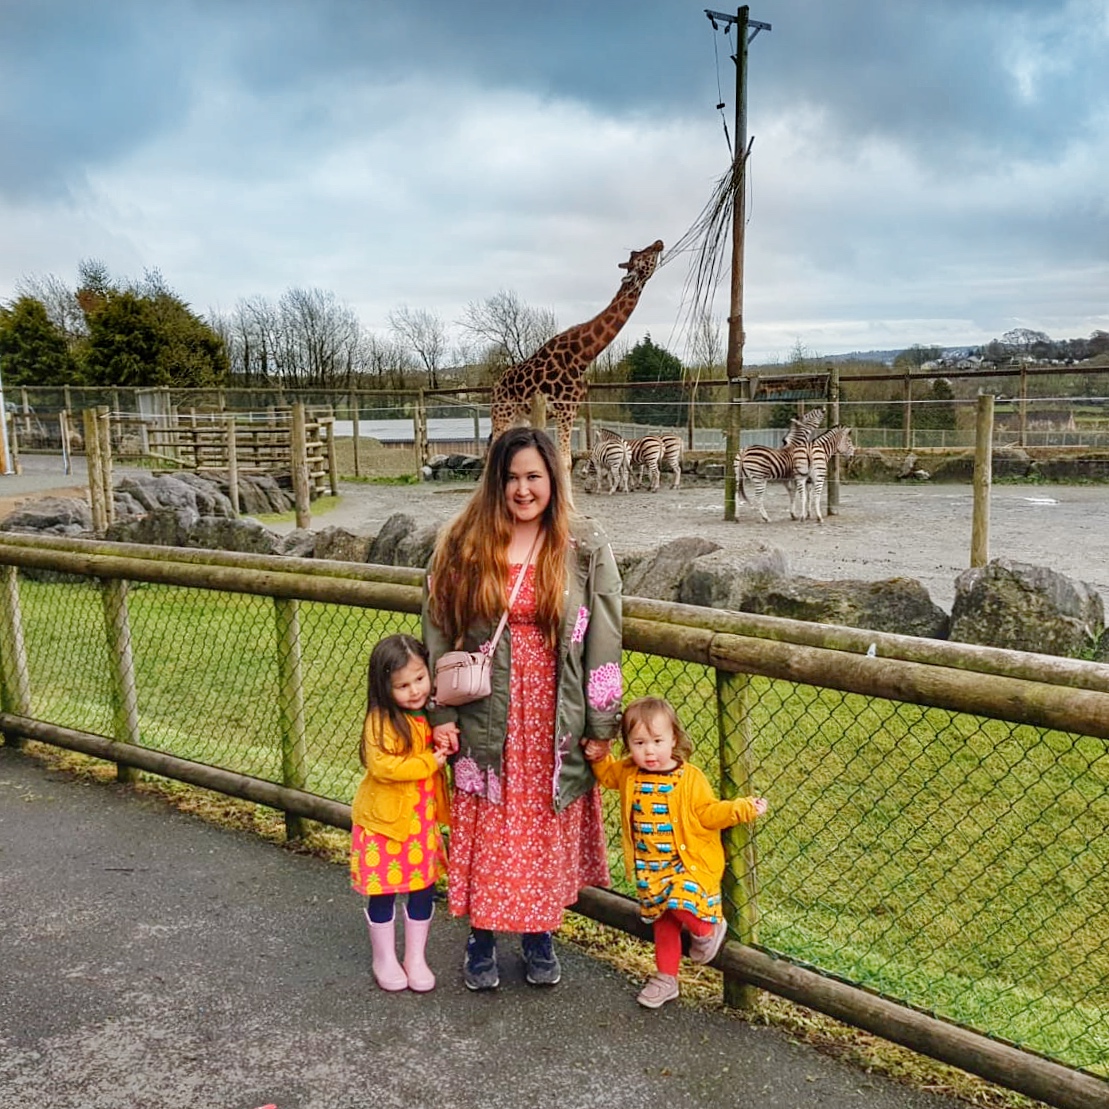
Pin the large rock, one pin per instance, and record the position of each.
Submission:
(220, 533)
(395, 531)
(52, 516)
(899, 605)
(345, 546)
(1025, 608)
(725, 579)
(299, 543)
(164, 527)
(416, 548)
(659, 575)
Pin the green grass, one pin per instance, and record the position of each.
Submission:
(957, 863)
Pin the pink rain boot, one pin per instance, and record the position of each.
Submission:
(419, 973)
(383, 940)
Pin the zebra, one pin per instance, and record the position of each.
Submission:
(672, 455)
(647, 453)
(761, 465)
(821, 449)
(803, 428)
(610, 457)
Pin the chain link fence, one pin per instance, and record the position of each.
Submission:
(956, 862)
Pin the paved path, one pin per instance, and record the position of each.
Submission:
(151, 960)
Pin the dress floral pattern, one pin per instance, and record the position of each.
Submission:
(516, 865)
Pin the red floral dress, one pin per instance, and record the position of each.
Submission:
(515, 866)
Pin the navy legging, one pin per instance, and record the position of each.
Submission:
(419, 905)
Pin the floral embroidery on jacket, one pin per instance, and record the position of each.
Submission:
(606, 687)
(580, 625)
(493, 786)
(468, 777)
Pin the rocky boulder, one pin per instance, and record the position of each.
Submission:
(726, 579)
(51, 516)
(1025, 608)
(345, 546)
(660, 573)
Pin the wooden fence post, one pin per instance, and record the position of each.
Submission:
(419, 431)
(983, 476)
(907, 412)
(290, 704)
(299, 459)
(104, 430)
(121, 667)
(332, 464)
(15, 682)
(232, 465)
(833, 420)
(740, 884)
(95, 472)
(354, 432)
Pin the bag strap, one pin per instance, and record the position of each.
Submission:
(512, 596)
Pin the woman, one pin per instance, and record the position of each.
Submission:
(527, 832)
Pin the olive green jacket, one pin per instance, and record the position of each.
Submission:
(589, 684)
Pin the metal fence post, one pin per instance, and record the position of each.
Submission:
(121, 668)
(740, 885)
(290, 705)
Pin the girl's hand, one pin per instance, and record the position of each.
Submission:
(445, 738)
(596, 749)
(439, 756)
(761, 805)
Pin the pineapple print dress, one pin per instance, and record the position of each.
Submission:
(379, 864)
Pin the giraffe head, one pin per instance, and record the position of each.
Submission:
(641, 264)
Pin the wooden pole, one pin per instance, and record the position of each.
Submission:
(63, 430)
(232, 465)
(121, 668)
(15, 680)
(104, 429)
(1022, 438)
(833, 420)
(95, 472)
(983, 476)
(290, 706)
(299, 460)
(332, 464)
(907, 411)
(354, 431)
(740, 883)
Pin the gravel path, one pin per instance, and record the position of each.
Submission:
(918, 531)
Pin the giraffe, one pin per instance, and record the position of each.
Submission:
(557, 369)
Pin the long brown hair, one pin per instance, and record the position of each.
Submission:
(469, 569)
(389, 655)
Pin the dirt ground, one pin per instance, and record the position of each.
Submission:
(919, 531)
(881, 531)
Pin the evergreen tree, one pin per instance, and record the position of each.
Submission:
(664, 404)
(32, 350)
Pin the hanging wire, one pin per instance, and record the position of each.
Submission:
(719, 91)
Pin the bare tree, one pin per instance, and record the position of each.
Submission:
(385, 360)
(424, 334)
(510, 329)
(708, 352)
(60, 302)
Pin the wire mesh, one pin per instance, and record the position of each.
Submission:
(956, 863)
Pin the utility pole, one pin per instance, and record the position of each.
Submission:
(746, 29)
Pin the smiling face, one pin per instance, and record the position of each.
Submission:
(411, 685)
(527, 492)
(651, 743)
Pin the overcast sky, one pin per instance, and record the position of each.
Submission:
(922, 172)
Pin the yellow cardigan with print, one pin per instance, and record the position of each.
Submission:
(389, 790)
(697, 814)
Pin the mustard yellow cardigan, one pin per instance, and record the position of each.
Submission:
(389, 790)
(697, 814)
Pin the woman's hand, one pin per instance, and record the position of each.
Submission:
(596, 749)
(444, 739)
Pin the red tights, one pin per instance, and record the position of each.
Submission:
(668, 937)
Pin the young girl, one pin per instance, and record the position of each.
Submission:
(670, 825)
(396, 846)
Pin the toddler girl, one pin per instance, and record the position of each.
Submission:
(396, 845)
(670, 825)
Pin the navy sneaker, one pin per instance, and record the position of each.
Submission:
(540, 960)
(479, 968)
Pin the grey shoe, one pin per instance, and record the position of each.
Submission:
(540, 961)
(479, 968)
(703, 949)
(660, 989)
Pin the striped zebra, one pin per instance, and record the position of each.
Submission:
(761, 465)
(672, 451)
(611, 458)
(647, 453)
(803, 428)
(822, 449)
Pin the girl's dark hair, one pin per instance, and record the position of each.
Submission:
(643, 710)
(390, 654)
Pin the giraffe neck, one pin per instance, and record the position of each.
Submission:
(596, 334)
